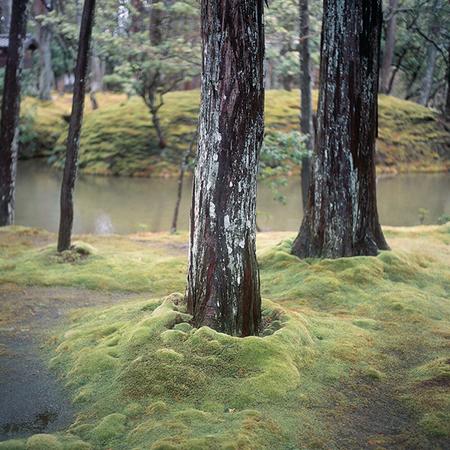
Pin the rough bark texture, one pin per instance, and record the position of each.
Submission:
(341, 218)
(223, 278)
(427, 80)
(306, 115)
(73, 140)
(9, 125)
(388, 56)
(97, 72)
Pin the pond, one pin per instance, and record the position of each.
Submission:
(125, 205)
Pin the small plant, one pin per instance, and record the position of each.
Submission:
(443, 219)
(423, 213)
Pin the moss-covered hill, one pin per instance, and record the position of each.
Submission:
(354, 352)
(118, 139)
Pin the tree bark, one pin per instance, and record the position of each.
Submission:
(9, 124)
(223, 278)
(447, 99)
(73, 140)
(306, 114)
(341, 218)
(389, 47)
(427, 80)
(46, 76)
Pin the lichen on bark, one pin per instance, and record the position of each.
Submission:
(223, 278)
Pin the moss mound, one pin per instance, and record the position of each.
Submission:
(119, 139)
(139, 379)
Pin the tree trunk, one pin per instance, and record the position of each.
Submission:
(97, 72)
(389, 47)
(341, 218)
(183, 165)
(427, 80)
(306, 114)
(73, 140)
(9, 124)
(447, 100)
(46, 76)
(223, 277)
(5, 12)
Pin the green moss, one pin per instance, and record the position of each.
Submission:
(43, 441)
(338, 335)
(13, 444)
(119, 139)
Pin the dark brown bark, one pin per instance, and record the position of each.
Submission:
(306, 115)
(223, 278)
(76, 118)
(341, 218)
(389, 47)
(9, 125)
(183, 166)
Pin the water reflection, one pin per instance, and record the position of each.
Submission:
(122, 205)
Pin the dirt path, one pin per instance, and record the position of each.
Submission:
(32, 400)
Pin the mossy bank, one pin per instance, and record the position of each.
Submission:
(353, 354)
(119, 139)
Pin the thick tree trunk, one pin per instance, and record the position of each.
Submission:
(341, 218)
(5, 16)
(306, 115)
(389, 47)
(73, 140)
(427, 80)
(9, 124)
(223, 279)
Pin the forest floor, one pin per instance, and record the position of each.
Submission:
(96, 351)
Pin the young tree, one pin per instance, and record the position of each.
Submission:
(388, 56)
(45, 33)
(306, 115)
(73, 140)
(432, 52)
(223, 277)
(341, 218)
(9, 125)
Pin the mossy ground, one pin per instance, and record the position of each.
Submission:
(354, 353)
(118, 138)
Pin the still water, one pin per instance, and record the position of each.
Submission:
(125, 205)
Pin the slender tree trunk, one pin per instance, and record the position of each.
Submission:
(46, 76)
(9, 124)
(306, 115)
(183, 166)
(447, 100)
(5, 13)
(389, 47)
(223, 277)
(96, 77)
(73, 140)
(341, 218)
(427, 80)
